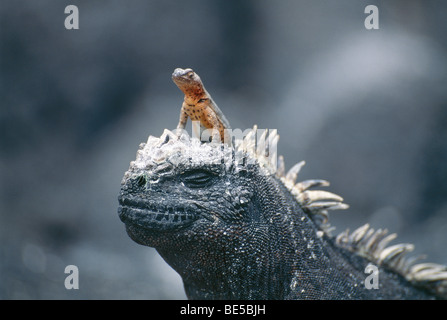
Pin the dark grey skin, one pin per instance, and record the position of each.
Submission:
(234, 232)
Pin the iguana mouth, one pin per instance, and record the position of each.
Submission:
(152, 215)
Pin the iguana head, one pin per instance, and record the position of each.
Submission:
(178, 186)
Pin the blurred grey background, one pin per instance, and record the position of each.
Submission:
(366, 109)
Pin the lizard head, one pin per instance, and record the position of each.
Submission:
(188, 81)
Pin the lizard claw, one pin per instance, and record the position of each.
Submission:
(216, 137)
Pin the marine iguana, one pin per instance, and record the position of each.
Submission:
(235, 225)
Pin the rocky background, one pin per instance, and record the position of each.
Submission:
(366, 109)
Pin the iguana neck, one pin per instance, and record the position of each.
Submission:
(260, 263)
(232, 271)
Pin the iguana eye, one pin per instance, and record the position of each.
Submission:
(191, 74)
(197, 178)
(141, 181)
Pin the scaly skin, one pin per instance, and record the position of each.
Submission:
(198, 104)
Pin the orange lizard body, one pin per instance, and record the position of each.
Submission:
(198, 105)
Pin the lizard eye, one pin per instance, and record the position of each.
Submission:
(191, 74)
(197, 178)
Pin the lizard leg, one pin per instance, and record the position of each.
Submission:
(216, 125)
(182, 121)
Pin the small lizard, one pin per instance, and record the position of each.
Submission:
(199, 106)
